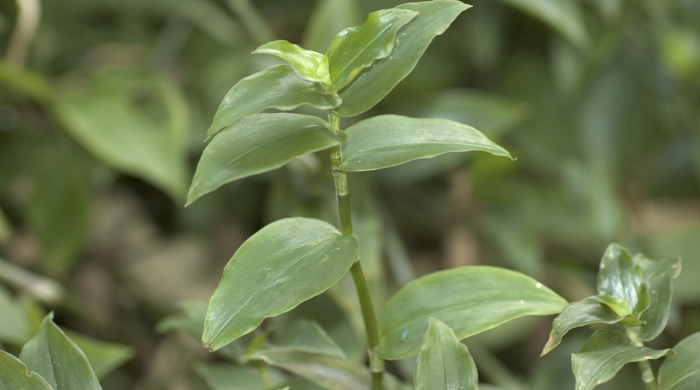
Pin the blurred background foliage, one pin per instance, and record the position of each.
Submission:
(104, 107)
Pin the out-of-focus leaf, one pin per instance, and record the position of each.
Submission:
(58, 359)
(14, 375)
(279, 267)
(563, 16)
(309, 64)
(681, 241)
(135, 123)
(26, 81)
(190, 321)
(356, 48)
(5, 230)
(104, 357)
(469, 300)
(443, 362)
(576, 314)
(14, 325)
(604, 354)
(329, 17)
(229, 377)
(277, 87)
(621, 278)
(256, 144)
(378, 80)
(660, 275)
(387, 140)
(308, 336)
(682, 371)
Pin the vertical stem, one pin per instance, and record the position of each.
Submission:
(28, 13)
(342, 192)
(644, 366)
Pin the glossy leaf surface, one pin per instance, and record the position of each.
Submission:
(620, 277)
(308, 63)
(469, 300)
(277, 87)
(411, 42)
(443, 362)
(682, 371)
(604, 354)
(14, 375)
(58, 359)
(388, 140)
(660, 275)
(576, 314)
(357, 48)
(279, 267)
(256, 144)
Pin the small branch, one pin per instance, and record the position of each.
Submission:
(28, 14)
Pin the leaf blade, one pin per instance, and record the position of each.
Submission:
(15, 375)
(682, 372)
(620, 277)
(307, 63)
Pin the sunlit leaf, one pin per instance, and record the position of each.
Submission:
(358, 47)
(387, 140)
(411, 42)
(277, 87)
(256, 144)
(308, 63)
(469, 300)
(620, 277)
(660, 275)
(682, 371)
(564, 16)
(443, 362)
(58, 359)
(576, 314)
(14, 375)
(279, 267)
(604, 354)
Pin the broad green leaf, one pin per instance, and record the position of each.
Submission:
(308, 64)
(103, 357)
(660, 275)
(576, 314)
(620, 277)
(369, 87)
(14, 324)
(14, 375)
(278, 87)
(469, 300)
(58, 359)
(564, 16)
(329, 17)
(387, 140)
(682, 371)
(256, 144)
(134, 122)
(307, 336)
(604, 354)
(356, 48)
(443, 362)
(279, 267)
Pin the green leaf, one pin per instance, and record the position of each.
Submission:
(277, 87)
(190, 321)
(576, 314)
(14, 375)
(443, 362)
(564, 16)
(279, 267)
(309, 64)
(135, 123)
(256, 144)
(307, 336)
(604, 354)
(377, 81)
(660, 275)
(103, 357)
(58, 359)
(228, 377)
(469, 300)
(682, 371)
(14, 324)
(620, 277)
(387, 140)
(356, 48)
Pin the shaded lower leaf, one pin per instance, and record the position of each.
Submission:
(388, 140)
(14, 375)
(279, 267)
(576, 314)
(443, 362)
(229, 377)
(307, 336)
(682, 371)
(604, 354)
(58, 359)
(469, 300)
(660, 275)
(256, 144)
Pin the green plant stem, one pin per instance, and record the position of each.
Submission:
(28, 14)
(644, 366)
(342, 192)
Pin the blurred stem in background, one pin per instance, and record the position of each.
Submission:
(252, 20)
(28, 14)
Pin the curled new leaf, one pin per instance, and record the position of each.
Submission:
(308, 63)
(623, 282)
